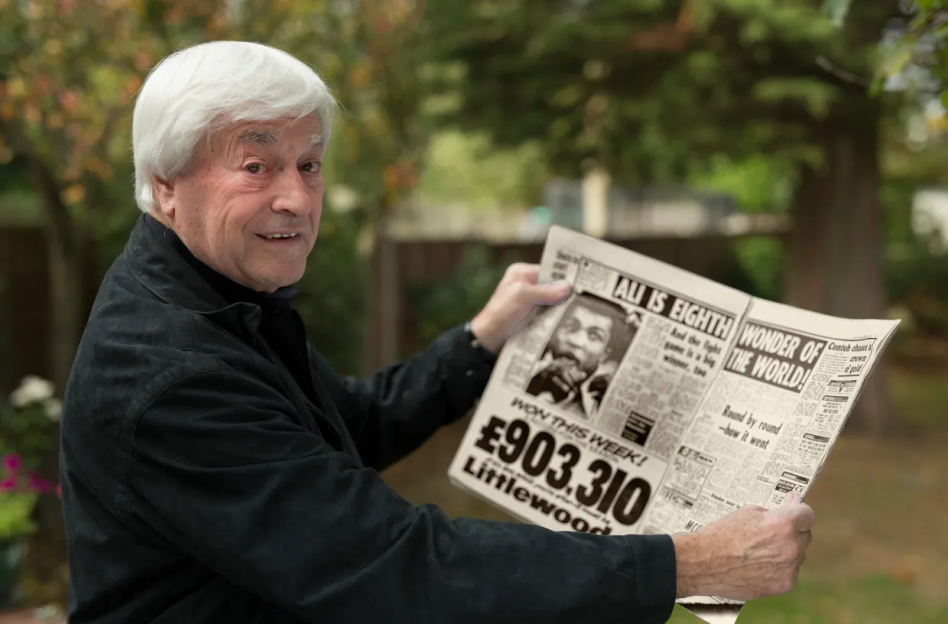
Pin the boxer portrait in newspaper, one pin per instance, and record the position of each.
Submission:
(583, 353)
(215, 468)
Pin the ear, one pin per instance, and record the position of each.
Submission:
(164, 197)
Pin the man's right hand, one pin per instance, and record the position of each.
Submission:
(750, 553)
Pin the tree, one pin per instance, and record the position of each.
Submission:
(913, 50)
(649, 90)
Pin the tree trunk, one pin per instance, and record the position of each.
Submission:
(66, 283)
(836, 260)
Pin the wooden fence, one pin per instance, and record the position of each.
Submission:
(24, 304)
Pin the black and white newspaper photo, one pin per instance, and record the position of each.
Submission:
(656, 401)
(583, 353)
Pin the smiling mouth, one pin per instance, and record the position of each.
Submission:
(278, 236)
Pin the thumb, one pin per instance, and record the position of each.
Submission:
(550, 293)
(790, 499)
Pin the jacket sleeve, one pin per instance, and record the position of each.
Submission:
(398, 408)
(223, 472)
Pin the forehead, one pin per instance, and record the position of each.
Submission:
(588, 317)
(303, 133)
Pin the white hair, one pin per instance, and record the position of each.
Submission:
(198, 90)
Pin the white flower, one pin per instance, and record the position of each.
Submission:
(53, 408)
(32, 390)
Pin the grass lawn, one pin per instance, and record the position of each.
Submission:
(875, 599)
(880, 548)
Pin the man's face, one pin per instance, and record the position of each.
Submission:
(249, 187)
(582, 339)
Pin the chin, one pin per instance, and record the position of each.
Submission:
(286, 278)
(271, 281)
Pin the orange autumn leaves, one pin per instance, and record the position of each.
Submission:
(72, 74)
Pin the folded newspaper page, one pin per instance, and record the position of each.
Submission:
(653, 400)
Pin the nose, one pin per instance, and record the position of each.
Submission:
(291, 194)
(575, 339)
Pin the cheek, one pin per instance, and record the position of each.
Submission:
(596, 349)
(591, 347)
(236, 217)
(318, 201)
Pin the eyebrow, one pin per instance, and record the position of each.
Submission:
(265, 137)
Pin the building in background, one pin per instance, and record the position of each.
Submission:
(645, 211)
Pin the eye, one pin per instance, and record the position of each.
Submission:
(312, 166)
(254, 168)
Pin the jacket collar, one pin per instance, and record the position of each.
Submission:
(158, 260)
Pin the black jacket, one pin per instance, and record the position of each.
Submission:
(202, 485)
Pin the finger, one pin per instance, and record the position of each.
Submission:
(800, 559)
(526, 271)
(790, 499)
(752, 508)
(804, 538)
(803, 517)
(546, 294)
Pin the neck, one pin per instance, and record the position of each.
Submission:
(227, 287)
(160, 218)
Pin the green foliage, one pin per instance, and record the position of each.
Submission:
(466, 167)
(25, 428)
(836, 10)
(26, 432)
(759, 183)
(332, 293)
(19, 207)
(920, 44)
(25, 437)
(916, 268)
(761, 257)
(918, 281)
(16, 509)
(648, 88)
(442, 303)
(14, 176)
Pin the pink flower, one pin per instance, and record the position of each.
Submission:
(38, 484)
(7, 485)
(12, 462)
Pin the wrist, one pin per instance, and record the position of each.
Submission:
(481, 333)
(476, 344)
(695, 562)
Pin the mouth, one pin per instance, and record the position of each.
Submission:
(280, 238)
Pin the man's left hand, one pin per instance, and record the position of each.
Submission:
(512, 300)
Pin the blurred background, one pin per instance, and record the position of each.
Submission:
(794, 149)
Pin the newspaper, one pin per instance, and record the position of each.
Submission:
(653, 400)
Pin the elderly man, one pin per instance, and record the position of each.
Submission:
(216, 470)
